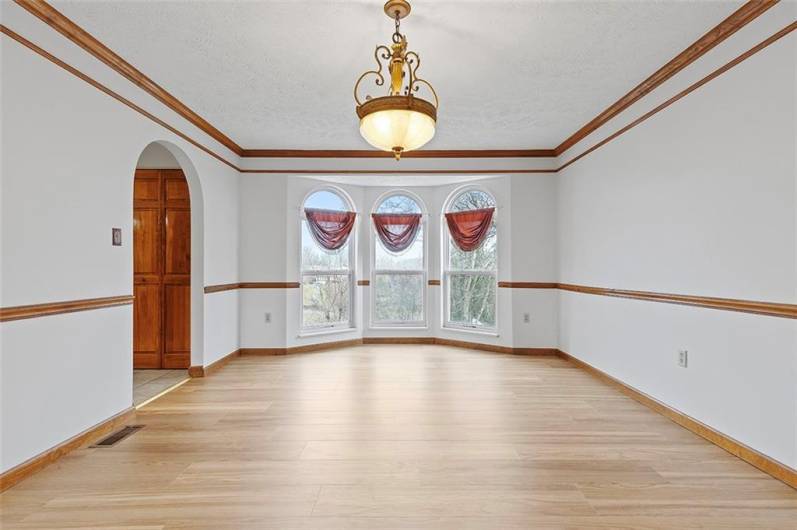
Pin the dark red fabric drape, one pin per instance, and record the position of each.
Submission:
(330, 228)
(397, 231)
(469, 228)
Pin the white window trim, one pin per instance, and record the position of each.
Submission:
(373, 323)
(323, 329)
(446, 241)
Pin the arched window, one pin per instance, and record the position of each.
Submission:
(470, 261)
(327, 262)
(398, 283)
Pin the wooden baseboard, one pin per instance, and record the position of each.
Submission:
(306, 348)
(42, 460)
(204, 371)
(264, 351)
(536, 351)
(769, 466)
(398, 340)
(460, 344)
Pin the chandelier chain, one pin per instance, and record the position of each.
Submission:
(397, 33)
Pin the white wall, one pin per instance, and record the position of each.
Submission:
(155, 156)
(699, 200)
(69, 153)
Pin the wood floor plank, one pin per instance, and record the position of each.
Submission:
(400, 437)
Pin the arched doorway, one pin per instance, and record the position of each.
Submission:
(163, 242)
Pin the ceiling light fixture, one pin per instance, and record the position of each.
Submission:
(400, 121)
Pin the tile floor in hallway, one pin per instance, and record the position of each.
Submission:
(149, 383)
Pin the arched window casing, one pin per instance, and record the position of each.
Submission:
(470, 279)
(398, 279)
(327, 277)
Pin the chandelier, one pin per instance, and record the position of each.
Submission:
(399, 121)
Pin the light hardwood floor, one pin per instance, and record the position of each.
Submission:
(401, 437)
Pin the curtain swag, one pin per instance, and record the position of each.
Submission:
(397, 231)
(469, 228)
(330, 228)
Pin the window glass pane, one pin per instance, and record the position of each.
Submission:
(409, 259)
(483, 258)
(399, 204)
(315, 258)
(398, 297)
(472, 300)
(326, 200)
(325, 299)
(472, 200)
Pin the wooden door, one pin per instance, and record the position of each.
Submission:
(161, 269)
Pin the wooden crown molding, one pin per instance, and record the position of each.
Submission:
(747, 13)
(422, 153)
(85, 40)
(102, 88)
(736, 21)
(57, 308)
(398, 171)
(691, 88)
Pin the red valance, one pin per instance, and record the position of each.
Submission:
(397, 231)
(469, 228)
(330, 228)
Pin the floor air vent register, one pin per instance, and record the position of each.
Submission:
(118, 436)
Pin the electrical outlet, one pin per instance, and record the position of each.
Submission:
(526, 318)
(683, 358)
(268, 318)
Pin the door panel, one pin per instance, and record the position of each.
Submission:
(178, 241)
(176, 190)
(146, 241)
(146, 325)
(177, 313)
(162, 269)
(146, 190)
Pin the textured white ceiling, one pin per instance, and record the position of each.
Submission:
(510, 74)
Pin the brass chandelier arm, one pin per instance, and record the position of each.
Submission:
(413, 64)
(431, 89)
(380, 79)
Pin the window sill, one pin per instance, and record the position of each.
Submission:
(324, 331)
(471, 331)
(398, 327)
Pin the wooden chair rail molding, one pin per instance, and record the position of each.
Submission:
(57, 308)
(774, 309)
(251, 285)
(44, 11)
(752, 10)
